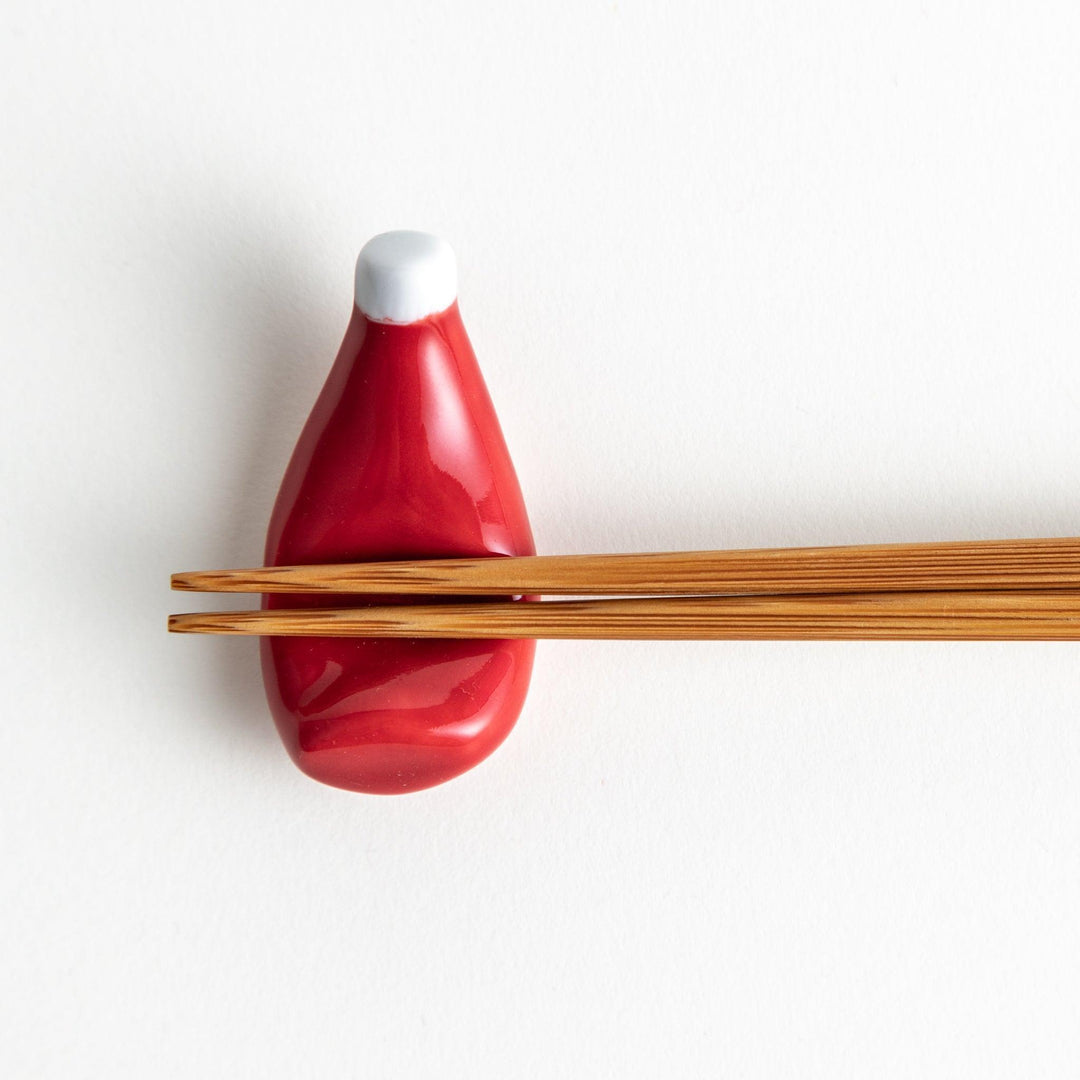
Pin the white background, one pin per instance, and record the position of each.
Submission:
(738, 275)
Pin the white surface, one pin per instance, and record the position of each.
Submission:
(404, 275)
(738, 275)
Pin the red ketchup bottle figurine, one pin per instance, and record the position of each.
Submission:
(401, 458)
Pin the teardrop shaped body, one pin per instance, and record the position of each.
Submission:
(401, 458)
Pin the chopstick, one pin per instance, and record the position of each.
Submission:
(939, 616)
(979, 565)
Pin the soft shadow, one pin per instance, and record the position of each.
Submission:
(229, 315)
(260, 299)
(681, 517)
(248, 315)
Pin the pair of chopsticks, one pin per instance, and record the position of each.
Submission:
(986, 590)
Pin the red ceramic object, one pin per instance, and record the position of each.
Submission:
(402, 457)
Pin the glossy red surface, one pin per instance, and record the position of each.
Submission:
(402, 457)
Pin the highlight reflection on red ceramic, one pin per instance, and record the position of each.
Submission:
(401, 458)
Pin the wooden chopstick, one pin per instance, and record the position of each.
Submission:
(979, 565)
(964, 616)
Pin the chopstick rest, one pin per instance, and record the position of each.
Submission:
(402, 456)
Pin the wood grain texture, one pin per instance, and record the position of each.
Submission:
(980, 565)
(1041, 616)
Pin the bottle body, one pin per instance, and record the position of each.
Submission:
(401, 458)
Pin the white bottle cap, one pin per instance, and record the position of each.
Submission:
(404, 276)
